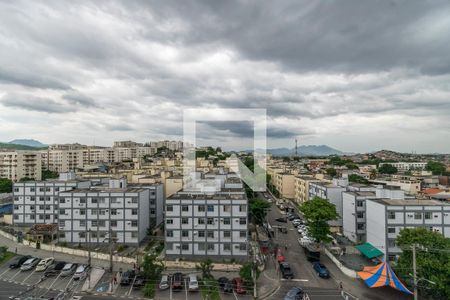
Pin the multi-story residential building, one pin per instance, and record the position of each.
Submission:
(36, 202)
(208, 221)
(406, 166)
(354, 215)
(386, 217)
(284, 183)
(95, 215)
(408, 184)
(333, 193)
(156, 202)
(16, 165)
(301, 188)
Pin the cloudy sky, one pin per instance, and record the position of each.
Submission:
(355, 75)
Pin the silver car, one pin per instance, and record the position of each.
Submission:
(68, 270)
(30, 264)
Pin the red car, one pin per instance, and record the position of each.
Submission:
(238, 285)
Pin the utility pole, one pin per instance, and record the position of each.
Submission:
(89, 258)
(110, 251)
(416, 297)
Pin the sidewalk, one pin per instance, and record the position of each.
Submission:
(26, 250)
(269, 280)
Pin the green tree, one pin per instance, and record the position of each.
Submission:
(149, 290)
(331, 171)
(25, 179)
(357, 179)
(6, 185)
(152, 266)
(245, 272)
(205, 267)
(47, 174)
(318, 212)
(432, 264)
(373, 174)
(351, 166)
(436, 167)
(258, 209)
(387, 169)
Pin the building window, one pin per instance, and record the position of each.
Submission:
(242, 234)
(94, 223)
(242, 247)
(134, 234)
(169, 233)
(185, 233)
(184, 208)
(82, 234)
(428, 215)
(101, 223)
(169, 208)
(94, 200)
(31, 217)
(360, 214)
(201, 221)
(83, 223)
(102, 212)
(226, 221)
(210, 221)
(48, 189)
(113, 211)
(82, 212)
(201, 233)
(201, 208)
(169, 221)
(62, 223)
(82, 200)
(47, 217)
(62, 200)
(134, 211)
(184, 221)
(227, 247)
(210, 208)
(62, 211)
(211, 247)
(227, 234)
(41, 189)
(134, 200)
(227, 208)
(242, 208)
(32, 190)
(391, 215)
(201, 246)
(242, 221)
(391, 243)
(359, 203)
(391, 229)
(360, 226)
(185, 247)
(113, 223)
(210, 234)
(94, 212)
(134, 223)
(417, 216)
(16, 190)
(32, 198)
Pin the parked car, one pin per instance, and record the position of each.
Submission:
(44, 264)
(18, 262)
(295, 293)
(321, 270)
(286, 270)
(127, 277)
(29, 264)
(80, 272)
(68, 269)
(177, 282)
(282, 220)
(54, 269)
(225, 285)
(193, 283)
(296, 222)
(280, 256)
(139, 281)
(238, 286)
(164, 283)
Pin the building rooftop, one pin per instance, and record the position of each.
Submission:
(105, 190)
(362, 193)
(415, 202)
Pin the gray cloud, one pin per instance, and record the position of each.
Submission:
(37, 104)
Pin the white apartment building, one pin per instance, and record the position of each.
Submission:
(386, 217)
(333, 193)
(103, 213)
(36, 202)
(16, 165)
(406, 166)
(203, 223)
(354, 214)
(156, 202)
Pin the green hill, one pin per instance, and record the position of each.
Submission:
(8, 146)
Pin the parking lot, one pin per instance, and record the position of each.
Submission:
(37, 283)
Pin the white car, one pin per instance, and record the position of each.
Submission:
(44, 264)
(164, 283)
(80, 272)
(193, 283)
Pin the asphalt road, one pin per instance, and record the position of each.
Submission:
(304, 274)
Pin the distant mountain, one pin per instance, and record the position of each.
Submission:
(28, 142)
(8, 146)
(309, 150)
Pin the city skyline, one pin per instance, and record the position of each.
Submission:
(327, 73)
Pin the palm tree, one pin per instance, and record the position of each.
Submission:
(205, 267)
